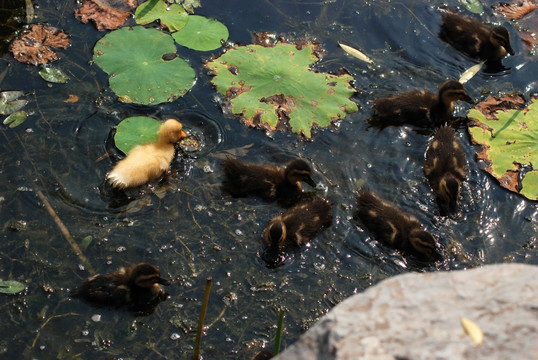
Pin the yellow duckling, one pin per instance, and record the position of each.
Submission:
(298, 225)
(419, 108)
(147, 162)
(445, 166)
(476, 40)
(136, 285)
(266, 181)
(394, 228)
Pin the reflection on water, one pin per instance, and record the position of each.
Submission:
(191, 231)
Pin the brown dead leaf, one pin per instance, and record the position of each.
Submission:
(34, 45)
(106, 14)
(492, 104)
(515, 10)
(71, 99)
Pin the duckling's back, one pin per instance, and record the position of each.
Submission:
(466, 35)
(243, 179)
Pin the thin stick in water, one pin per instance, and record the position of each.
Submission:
(279, 329)
(196, 355)
(65, 232)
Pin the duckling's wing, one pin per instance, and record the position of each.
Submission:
(464, 34)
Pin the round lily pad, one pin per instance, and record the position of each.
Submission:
(509, 140)
(173, 16)
(269, 85)
(11, 287)
(134, 131)
(201, 33)
(15, 119)
(139, 68)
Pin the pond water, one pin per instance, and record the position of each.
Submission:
(191, 231)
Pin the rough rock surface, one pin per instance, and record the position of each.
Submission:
(417, 316)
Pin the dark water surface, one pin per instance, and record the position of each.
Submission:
(191, 232)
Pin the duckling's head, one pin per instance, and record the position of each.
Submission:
(451, 91)
(275, 234)
(449, 189)
(424, 245)
(299, 170)
(500, 37)
(146, 275)
(171, 131)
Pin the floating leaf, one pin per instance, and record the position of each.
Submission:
(15, 119)
(173, 17)
(134, 59)
(356, 53)
(473, 6)
(201, 33)
(106, 14)
(134, 131)
(10, 102)
(11, 287)
(470, 73)
(53, 75)
(474, 332)
(509, 140)
(35, 45)
(274, 86)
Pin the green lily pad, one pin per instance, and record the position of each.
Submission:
(139, 66)
(509, 140)
(201, 33)
(11, 287)
(267, 86)
(53, 75)
(173, 17)
(473, 6)
(10, 102)
(134, 131)
(15, 119)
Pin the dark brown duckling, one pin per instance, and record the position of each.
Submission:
(419, 108)
(394, 228)
(445, 166)
(298, 225)
(266, 181)
(136, 285)
(476, 40)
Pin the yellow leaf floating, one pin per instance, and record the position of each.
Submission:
(474, 332)
(470, 73)
(356, 53)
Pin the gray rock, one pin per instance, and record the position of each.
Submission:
(417, 316)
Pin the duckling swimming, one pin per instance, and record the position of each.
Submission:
(266, 181)
(136, 285)
(445, 166)
(476, 40)
(394, 228)
(298, 225)
(147, 162)
(419, 108)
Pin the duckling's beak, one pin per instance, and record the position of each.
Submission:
(182, 135)
(467, 99)
(162, 281)
(310, 182)
(510, 50)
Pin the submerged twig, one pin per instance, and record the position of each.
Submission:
(196, 355)
(46, 322)
(65, 232)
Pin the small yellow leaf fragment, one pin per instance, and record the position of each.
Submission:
(356, 53)
(474, 332)
(470, 73)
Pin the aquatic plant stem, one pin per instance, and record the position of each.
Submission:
(196, 355)
(279, 329)
(65, 232)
